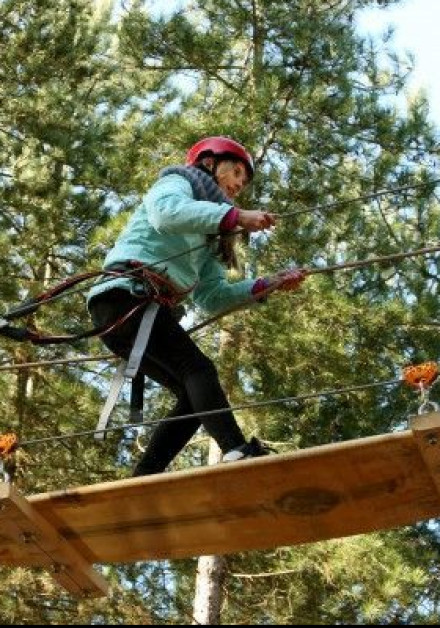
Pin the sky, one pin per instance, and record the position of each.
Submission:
(416, 24)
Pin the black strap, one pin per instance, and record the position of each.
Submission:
(137, 398)
(21, 334)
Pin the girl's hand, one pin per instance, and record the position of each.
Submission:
(254, 220)
(288, 279)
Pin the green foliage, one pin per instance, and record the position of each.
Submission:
(365, 580)
(92, 107)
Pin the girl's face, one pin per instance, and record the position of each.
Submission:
(231, 177)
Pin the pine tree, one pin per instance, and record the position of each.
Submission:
(92, 108)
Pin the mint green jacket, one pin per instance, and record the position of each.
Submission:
(169, 221)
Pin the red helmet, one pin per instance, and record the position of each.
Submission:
(220, 146)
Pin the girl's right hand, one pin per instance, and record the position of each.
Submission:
(254, 220)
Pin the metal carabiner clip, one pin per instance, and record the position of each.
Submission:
(426, 405)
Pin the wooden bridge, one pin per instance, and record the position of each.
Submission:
(324, 492)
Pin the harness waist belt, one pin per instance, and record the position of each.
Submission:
(161, 289)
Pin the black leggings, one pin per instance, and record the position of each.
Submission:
(173, 360)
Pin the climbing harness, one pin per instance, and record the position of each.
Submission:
(154, 290)
(159, 292)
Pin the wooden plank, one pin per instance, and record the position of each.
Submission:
(426, 429)
(324, 492)
(26, 538)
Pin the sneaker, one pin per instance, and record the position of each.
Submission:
(142, 469)
(253, 449)
(138, 471)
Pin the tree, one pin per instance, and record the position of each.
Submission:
(88, 120)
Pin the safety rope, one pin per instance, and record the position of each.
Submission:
(157, 288)
(319, 271)
(49, 298)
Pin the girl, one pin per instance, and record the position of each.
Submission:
(179, 238)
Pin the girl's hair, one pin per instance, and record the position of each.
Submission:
(225, 250)
(226, 242)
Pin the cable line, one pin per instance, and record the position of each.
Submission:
(26, 365)
(374, 260)
(182, 417)
(365, 197)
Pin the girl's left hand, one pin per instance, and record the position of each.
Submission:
(289, 279)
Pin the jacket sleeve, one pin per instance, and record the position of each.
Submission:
(214, 293)
(172, 208)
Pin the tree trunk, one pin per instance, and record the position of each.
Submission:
(211, 571)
